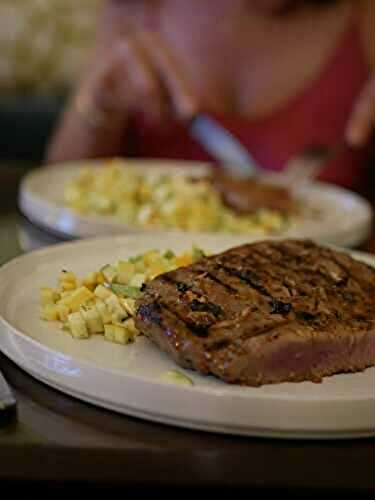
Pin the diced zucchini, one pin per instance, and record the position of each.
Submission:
(102, 292)
(67, 277)
(48, 296)
(62, 312)
(125, 271)
(49, 312)
(118, 313)
(93, 320)
(90, 281)
(67, 286)
(197, 253)
(129, 305)
(137, 280)
(130, 326)
(177, 378)
(103, 312)
(126, 290)
(77, 298)
(150, 257)
(78, 326)
(100, 278)
(169, 254)
(117, 334)
(109, 272)
(156, 270)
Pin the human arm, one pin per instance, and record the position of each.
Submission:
(131, 72)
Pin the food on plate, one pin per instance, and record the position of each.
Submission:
(103, 302)
(267, 312)
(177, 377)
(249, 195)
(173, 201)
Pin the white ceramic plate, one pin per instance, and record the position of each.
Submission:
(128, 378)
(345, 218)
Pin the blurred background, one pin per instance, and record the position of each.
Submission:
(43, 43)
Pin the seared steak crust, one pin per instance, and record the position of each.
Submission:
(266, 312)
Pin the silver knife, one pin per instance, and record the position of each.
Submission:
(7, 400)
(224, 147)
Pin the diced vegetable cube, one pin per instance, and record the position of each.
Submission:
(130, 326)
(126, 290)
(62, 312)
(155, 270)
(67, 277)
(125, 271)
(109, 272)
(118, 313)
(49, 312)
(102, 292)
(100, 278)
(137, 280)
(117, 334)
(93, 320)
(48, 296)
(177, 378)
(78, 326)
(103, 311)
(67, 285)
(197, 253)
(90, 281)
(169, 254)
(129, 305)
(77, 298)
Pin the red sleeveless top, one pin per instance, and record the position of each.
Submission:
(318, 115)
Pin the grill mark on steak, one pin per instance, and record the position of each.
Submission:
(151, 312)
(200, 304)
(277, 306)
(199, 329)
(210, 276)
(247, 278)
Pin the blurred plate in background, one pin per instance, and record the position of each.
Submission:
(344, 217)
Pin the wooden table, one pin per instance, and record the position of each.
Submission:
(58, 445)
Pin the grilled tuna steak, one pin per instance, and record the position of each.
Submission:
(266, 312)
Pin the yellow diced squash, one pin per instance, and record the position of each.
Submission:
(93, 320)
(103, 312)
(78, 326)
(67, 277)
(49, 312)
(48, 296)
(129, 325)
(78, 298)
(67, 286)
(63, 312)
(129, 305)
(102, 292)
(125, 272)
(117, 334)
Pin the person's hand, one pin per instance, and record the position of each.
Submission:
(362, 120)
(136, 74)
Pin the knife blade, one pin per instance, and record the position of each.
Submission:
(224, 147)
(7, 400)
